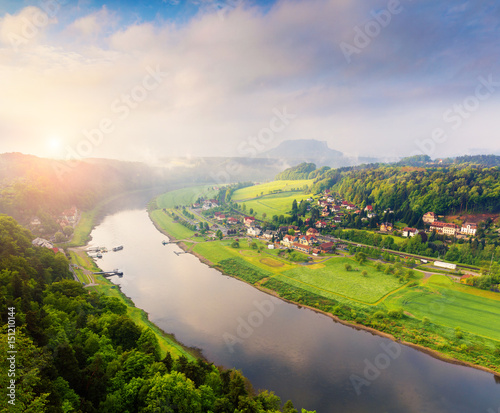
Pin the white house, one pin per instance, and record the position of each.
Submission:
(409, 232)
(468, 228)
(254, 231)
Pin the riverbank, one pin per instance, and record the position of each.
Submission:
(85, 266)
(399, 330)
(105, 287)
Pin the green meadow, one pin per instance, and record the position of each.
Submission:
(279, 204)
(184, 196)
(269, 187)
(332, 279)
(164, 221)
(445, 303)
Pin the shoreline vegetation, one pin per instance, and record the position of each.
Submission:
(400, 331)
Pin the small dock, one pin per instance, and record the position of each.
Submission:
(179, 253)
(110, 273)
(169, 242)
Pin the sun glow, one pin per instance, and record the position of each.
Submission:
(54, 145)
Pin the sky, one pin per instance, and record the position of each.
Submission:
(144, 81)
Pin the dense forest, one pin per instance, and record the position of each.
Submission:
(441, 190)
(78, 351)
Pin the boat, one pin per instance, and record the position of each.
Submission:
(93, 249)
(118, 248)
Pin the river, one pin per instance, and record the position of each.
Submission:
(299, 354)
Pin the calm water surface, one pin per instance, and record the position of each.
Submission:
(297, 353)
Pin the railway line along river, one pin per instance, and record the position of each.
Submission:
(299, 354)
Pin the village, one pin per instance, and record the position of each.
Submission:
(313, 235)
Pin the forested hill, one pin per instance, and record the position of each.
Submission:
(32, 186)
(301, 171)
(418, 190)
(77, 351)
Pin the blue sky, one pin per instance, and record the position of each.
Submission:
(380, 78)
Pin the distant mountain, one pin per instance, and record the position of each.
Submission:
(312, 151)
(303, 148)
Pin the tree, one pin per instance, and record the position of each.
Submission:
(264, 215)
(68, 230)
(148, 343)
(59, 236)
(219, 234)
(250, 211)
(235, 244)
(348, 266)
(364, 273)
(360, 257)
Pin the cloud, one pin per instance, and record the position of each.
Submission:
(93, 25)
(225, 75)
(26, 27)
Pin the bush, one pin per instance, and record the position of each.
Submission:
(364, 274)
(348, 267)
(235, 244)
(379, 314)
(395, 313)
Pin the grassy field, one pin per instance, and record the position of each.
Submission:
(162, 220)
(217, 251)
(184, 196)
(331, 279)
(279, 204)
(257, 190)
(446, 303)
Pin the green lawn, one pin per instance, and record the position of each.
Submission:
(451, 305)
(256, 190)
(279, 204)
(164, 221)
(184, 196)
(332, 279)
(214, 251)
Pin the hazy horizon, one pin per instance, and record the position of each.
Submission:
(128, 81)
